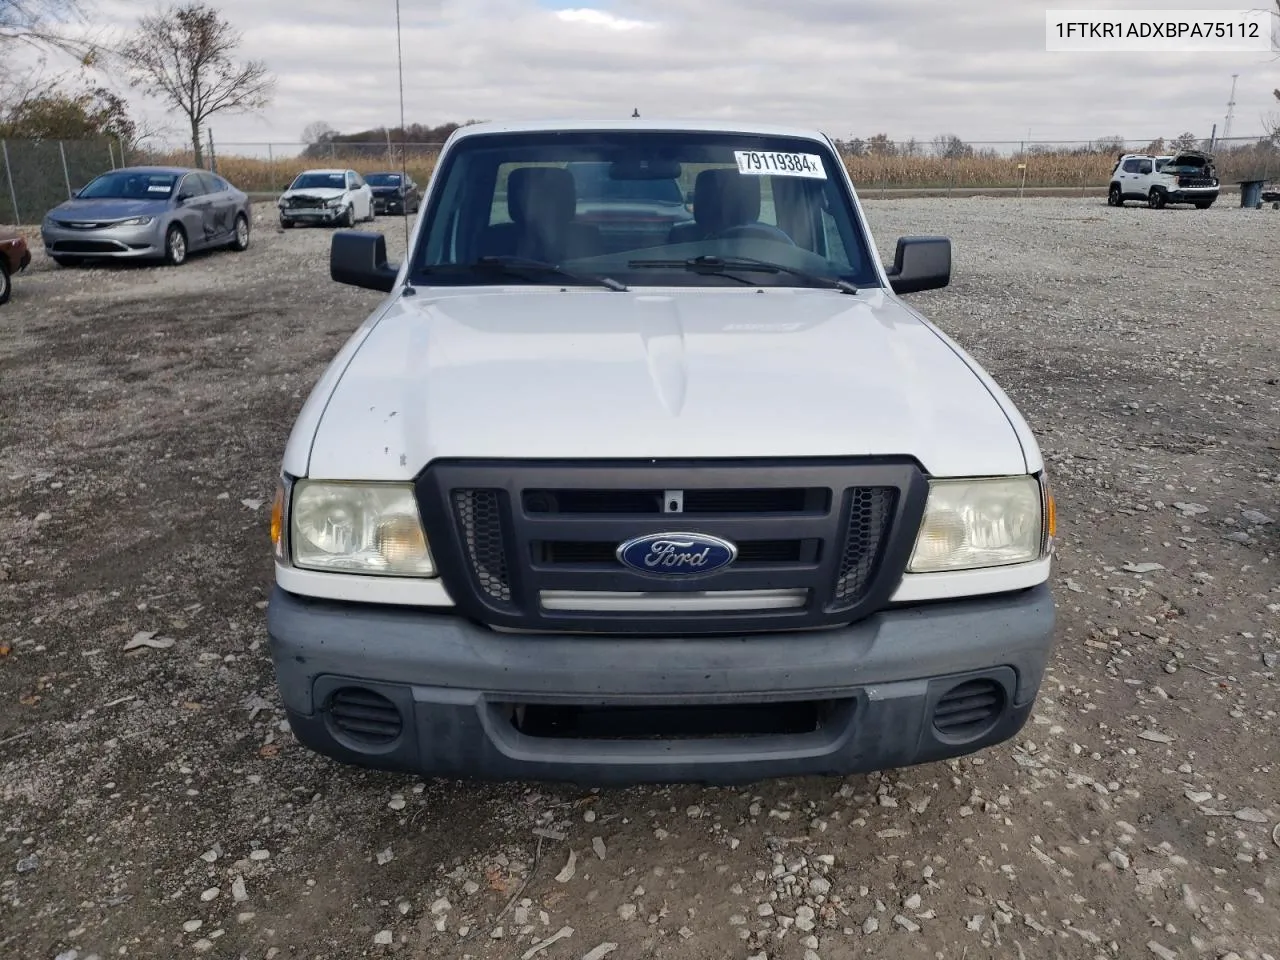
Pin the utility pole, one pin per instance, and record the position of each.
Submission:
(1231, 108)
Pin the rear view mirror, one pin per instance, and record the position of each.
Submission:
(359, 258)
(920, 263)
(645, 170)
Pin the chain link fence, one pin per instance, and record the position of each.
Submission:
(37, 175)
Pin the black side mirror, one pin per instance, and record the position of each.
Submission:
(920, 263)
(359, 258)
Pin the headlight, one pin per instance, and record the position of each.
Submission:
(335, 202)
(135, 222)
(358, 528)
(980, 523)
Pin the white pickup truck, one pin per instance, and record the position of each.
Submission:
(617, 492)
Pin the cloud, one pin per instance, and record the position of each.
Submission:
(902, 67)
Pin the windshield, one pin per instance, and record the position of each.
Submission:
(602, 203)
(130, 185)
(383, 179)
(314, 181)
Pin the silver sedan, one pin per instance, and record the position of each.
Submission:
(147, 213)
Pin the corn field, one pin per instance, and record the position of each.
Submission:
(34, 177)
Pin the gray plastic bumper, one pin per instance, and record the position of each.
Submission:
(440, 692)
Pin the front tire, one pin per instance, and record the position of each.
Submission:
(175, 246)
(286, 224)
(1114, 197)
(65, 261)
(1203, 204)
(349, 218)
(1156, 198)
(6, 283)
(240, 242)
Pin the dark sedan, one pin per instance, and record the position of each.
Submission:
(394, 193)
(148, 213)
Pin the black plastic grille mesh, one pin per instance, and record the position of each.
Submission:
(479, 514)
(869, 516)
(969, 709)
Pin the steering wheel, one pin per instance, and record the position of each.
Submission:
(765, 231)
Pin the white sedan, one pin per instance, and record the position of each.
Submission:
(326, 196)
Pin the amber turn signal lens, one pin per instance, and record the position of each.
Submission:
(1051, 516)
(277, 516)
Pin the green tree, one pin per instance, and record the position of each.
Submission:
(57, 113)
(184, 56)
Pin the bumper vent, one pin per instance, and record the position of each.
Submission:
(479, 516)
(870, 511)
(968, 710)
(365, 716)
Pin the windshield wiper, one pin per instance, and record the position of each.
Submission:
(722, 265)
(521, 265)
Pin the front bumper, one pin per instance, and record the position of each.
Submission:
(388, 204)
(435, 694)
(114, 242)
(1192, 194)
(313, 214)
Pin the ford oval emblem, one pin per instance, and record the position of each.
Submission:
(677, 554)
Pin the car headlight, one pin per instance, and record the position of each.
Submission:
(135, 222)
(335, 202)
(982, 523)
(358, 528)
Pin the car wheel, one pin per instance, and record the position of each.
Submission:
(1203, 204)
(349, 218)
(286, 224)
(6, 284)
(1156, 198)
(175, 246)
(64, 261)
(1114, 199)
(241, 241)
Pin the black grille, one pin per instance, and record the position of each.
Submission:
(87, 246)
(597, 552)
(364, 716)
(695, 502)
(969, 709)
(870, 510)
(479, 514)
(504, 532)
(304, 203)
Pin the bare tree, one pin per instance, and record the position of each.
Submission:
(183, 54)
(1185, 141)
(317, 132)
(41, 24)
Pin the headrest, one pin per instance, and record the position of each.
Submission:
(725, 198)
(542, 194)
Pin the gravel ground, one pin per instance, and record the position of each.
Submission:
(153, 804)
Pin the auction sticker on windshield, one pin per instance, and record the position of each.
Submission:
(767, 163)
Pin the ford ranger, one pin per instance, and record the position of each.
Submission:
(711, 503)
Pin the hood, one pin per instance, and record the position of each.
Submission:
(320, 193)
(695, 373)
(108, 208)
(386, 188)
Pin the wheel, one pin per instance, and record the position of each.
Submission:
(349, 218)
(241, 241)
(175, 246)
(1203, 204)
(64, 261)
(764, 231)
(6, 284)
(286, 224)
(1156, 198)
(1114, 198)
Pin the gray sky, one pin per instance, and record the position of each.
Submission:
(850, 67)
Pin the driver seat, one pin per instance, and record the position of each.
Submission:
(722, 199)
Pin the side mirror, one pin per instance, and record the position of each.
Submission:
(359, 258)
(920, 263)
(688, 198)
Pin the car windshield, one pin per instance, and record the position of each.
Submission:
(775, 210)
(383, 179)
(130, 185)
(313, 181)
